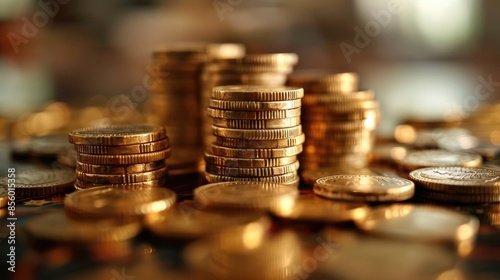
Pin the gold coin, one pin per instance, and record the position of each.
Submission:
(432, 158)
(323, 82)
(124, 159)
(457, 197)
(322, 129)
(81, 185)
(256, 124)
(309, 115)
(252, 171)
(257, 195)
(364, 188)
(57, 227)
(288, 179)
(254, 105)
(458, 180)
(119, 169)
(256, 93)
(187, 223)
(109, 202)
(4, 197)
(313, 208)
(345, 107)
(122, 179)
(259, 144)
(253, 115)
(256, 153)
(258, 134)
(248, 162)
(41, 182)
(123, 149)
(117, 135)
(310, 176)
(419, 222)
(270, 58)
(327, 99)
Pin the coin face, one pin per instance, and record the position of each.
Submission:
(117, 135)
(102, 202)
(458, 179)
(57, 227)
(310, 176)
(257, 195)
(42, 181)
(430, 158)
(419, 222)
(364, 188)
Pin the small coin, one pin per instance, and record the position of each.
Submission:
(57, 227)
(124, 159)
(459, 180)
(119, 169)
(122, 179)
(4, 197)
(258, 134)
(256, 124)
(117, 135)
(364, 188)
(252, 171)
(254, 105)
(259, 144)
(256, 93)
(313, 208)
(109, 202)
(419, 222)
(253, 115)
(253, 195)
(248, 162)
(310, 176)
(256, 153)
(291, 179)
(80, 185)
(41, 182)
(123, 149)
(432, 158)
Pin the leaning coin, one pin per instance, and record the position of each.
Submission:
(39, 182)
(313, 208)
(124, 159)
(124, 149)
(117, 135)
(122, 179)
(419, 222)
(257, 195)
(126, 204)
(364, 188)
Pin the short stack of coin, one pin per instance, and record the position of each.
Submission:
(339, 121)
(174, 98)
(257, 134)
(122, 156)
(253, 69)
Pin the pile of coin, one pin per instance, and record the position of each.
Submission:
(455, 184)
(174, 98)
(339, 121)
(258, 134)
(252, 69)
(123, 156)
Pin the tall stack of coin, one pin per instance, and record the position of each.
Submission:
(123, 156)
(174, 100)
(257, 134)
(253, 69)
(339, 121)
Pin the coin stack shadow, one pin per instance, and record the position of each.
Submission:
(339, 122)
(253, 69)
(257, 134)
(122, 156)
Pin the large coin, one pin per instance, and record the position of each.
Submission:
(117, 135)
(364, 188)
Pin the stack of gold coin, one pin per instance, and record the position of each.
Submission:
(258, 134)
(339, 121)
(455, 184)
(174, 98)
(123, 156)
(252, 69)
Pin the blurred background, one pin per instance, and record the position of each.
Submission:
(61, 62)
